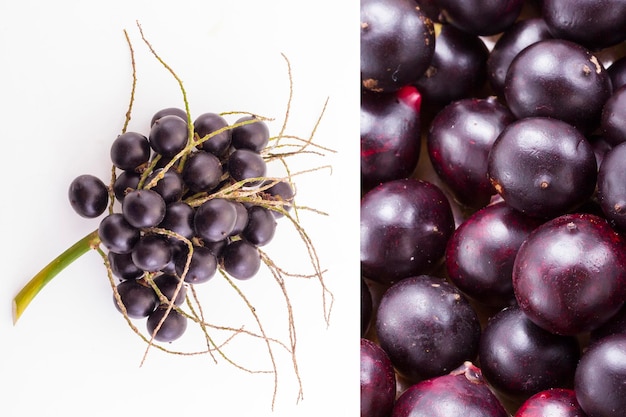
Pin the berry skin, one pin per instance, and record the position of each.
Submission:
(130, 151)
(88, 196)
(143, 208)
(253, 136)
(169, 135)
(241, 259)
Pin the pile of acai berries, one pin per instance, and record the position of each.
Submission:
(493, 208)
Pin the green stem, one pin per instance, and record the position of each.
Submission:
(32, 288)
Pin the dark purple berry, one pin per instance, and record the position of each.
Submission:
(130, 151)
(202, 171)
(378, 381)
(241, 259)
(254, 135)
(569, 276)
(116, 234)
(152, 253)
(88, 196)
(215, 219)
(169, 135)
(143, 208)
(427, 327)
(207, 124)
(138, 298)
(172, 326)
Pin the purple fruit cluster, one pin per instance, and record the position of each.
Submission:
(493, 208)
(167, 220)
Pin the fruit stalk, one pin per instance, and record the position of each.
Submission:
(37, 282)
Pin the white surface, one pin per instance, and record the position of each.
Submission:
(64, 87)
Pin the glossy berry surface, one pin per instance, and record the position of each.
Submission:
(459, 140)
(241, 259)
(520, 359)
(612, 187)
(480, 17)
(207, 124)
(458, 68)
(169, 135)
(397, 44)
(151, 253)
(143, 208)
(542, 167)
(390, 135)
(215, 219)
(166, 327)
(88, 196)
(569, 276)
(138, 298)
(481, 252)
(252, 134)
(554, 402)
(600, 376)
(116, 234)
(129, 151)
(559, 79)
(202, 172)
(405, 225)
(378, 381)
(444, 328)
(463, 392)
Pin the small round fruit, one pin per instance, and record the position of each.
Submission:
(458, 68)
(480, 17)
(241, 259)
(88, 196)
(202, 265)
(170, 185)
(169, 135)
(397, 44)
(596, 24)
(215, 219)
(554, 402)
(444, 328)
(116, 234)
(464, 392)
(481, 252)
(613, 118)
(600, 376)
(207, 124)
(123, 267)
(169, 111)
(459, 140)
(390, 135)
(569, 276)
(171, 328)
(244, 164)
(405, 226)
(152, 253)
(378, 381)
(523, 33)
(202, 172)
(542, 167)
(260, 227)
(612, 187)
(129, 151)
(559, 79)
(253, 135)
(138, 298)
(171, 288)
(143, 208)
(519, 358)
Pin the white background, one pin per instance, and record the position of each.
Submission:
(65, 80)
